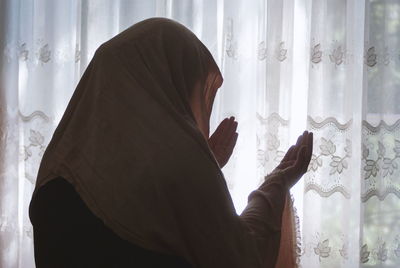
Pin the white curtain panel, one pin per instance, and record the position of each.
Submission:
(332, 67)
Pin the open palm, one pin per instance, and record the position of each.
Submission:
(296, 160)
(223, 140)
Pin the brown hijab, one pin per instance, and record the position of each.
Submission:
(132, 143)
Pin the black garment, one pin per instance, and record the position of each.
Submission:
(68, 235)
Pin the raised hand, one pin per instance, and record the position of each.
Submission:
(223, 140)
(296, 160)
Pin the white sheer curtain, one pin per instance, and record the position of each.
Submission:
(332, 67)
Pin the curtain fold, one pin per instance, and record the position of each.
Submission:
(332, 67)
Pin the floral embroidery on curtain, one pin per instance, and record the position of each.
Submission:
(231, 44)
(37, 128)
(329, 163)
(381, 160)
(41, 53)
(272, 142)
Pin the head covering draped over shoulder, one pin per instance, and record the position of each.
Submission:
(136, 152)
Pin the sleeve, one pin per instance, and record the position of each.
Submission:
(263, 217)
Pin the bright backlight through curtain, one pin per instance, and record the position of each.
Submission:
(332, 67)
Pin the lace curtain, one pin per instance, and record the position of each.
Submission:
(332, 67)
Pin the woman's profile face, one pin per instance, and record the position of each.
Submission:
(202, 100)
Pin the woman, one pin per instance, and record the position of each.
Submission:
(130, 178)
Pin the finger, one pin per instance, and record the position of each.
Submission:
(300, 161)
(295, 151)
(222, 126)
(296, 169)
(304, 140)
(309, 150)
(232, 143)
(231, 131)
(227, 150)
(227, 128)
(300, 139)
(216, 136)
(232, 140)
(288, 153)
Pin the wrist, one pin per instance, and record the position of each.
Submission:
(276, 177)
